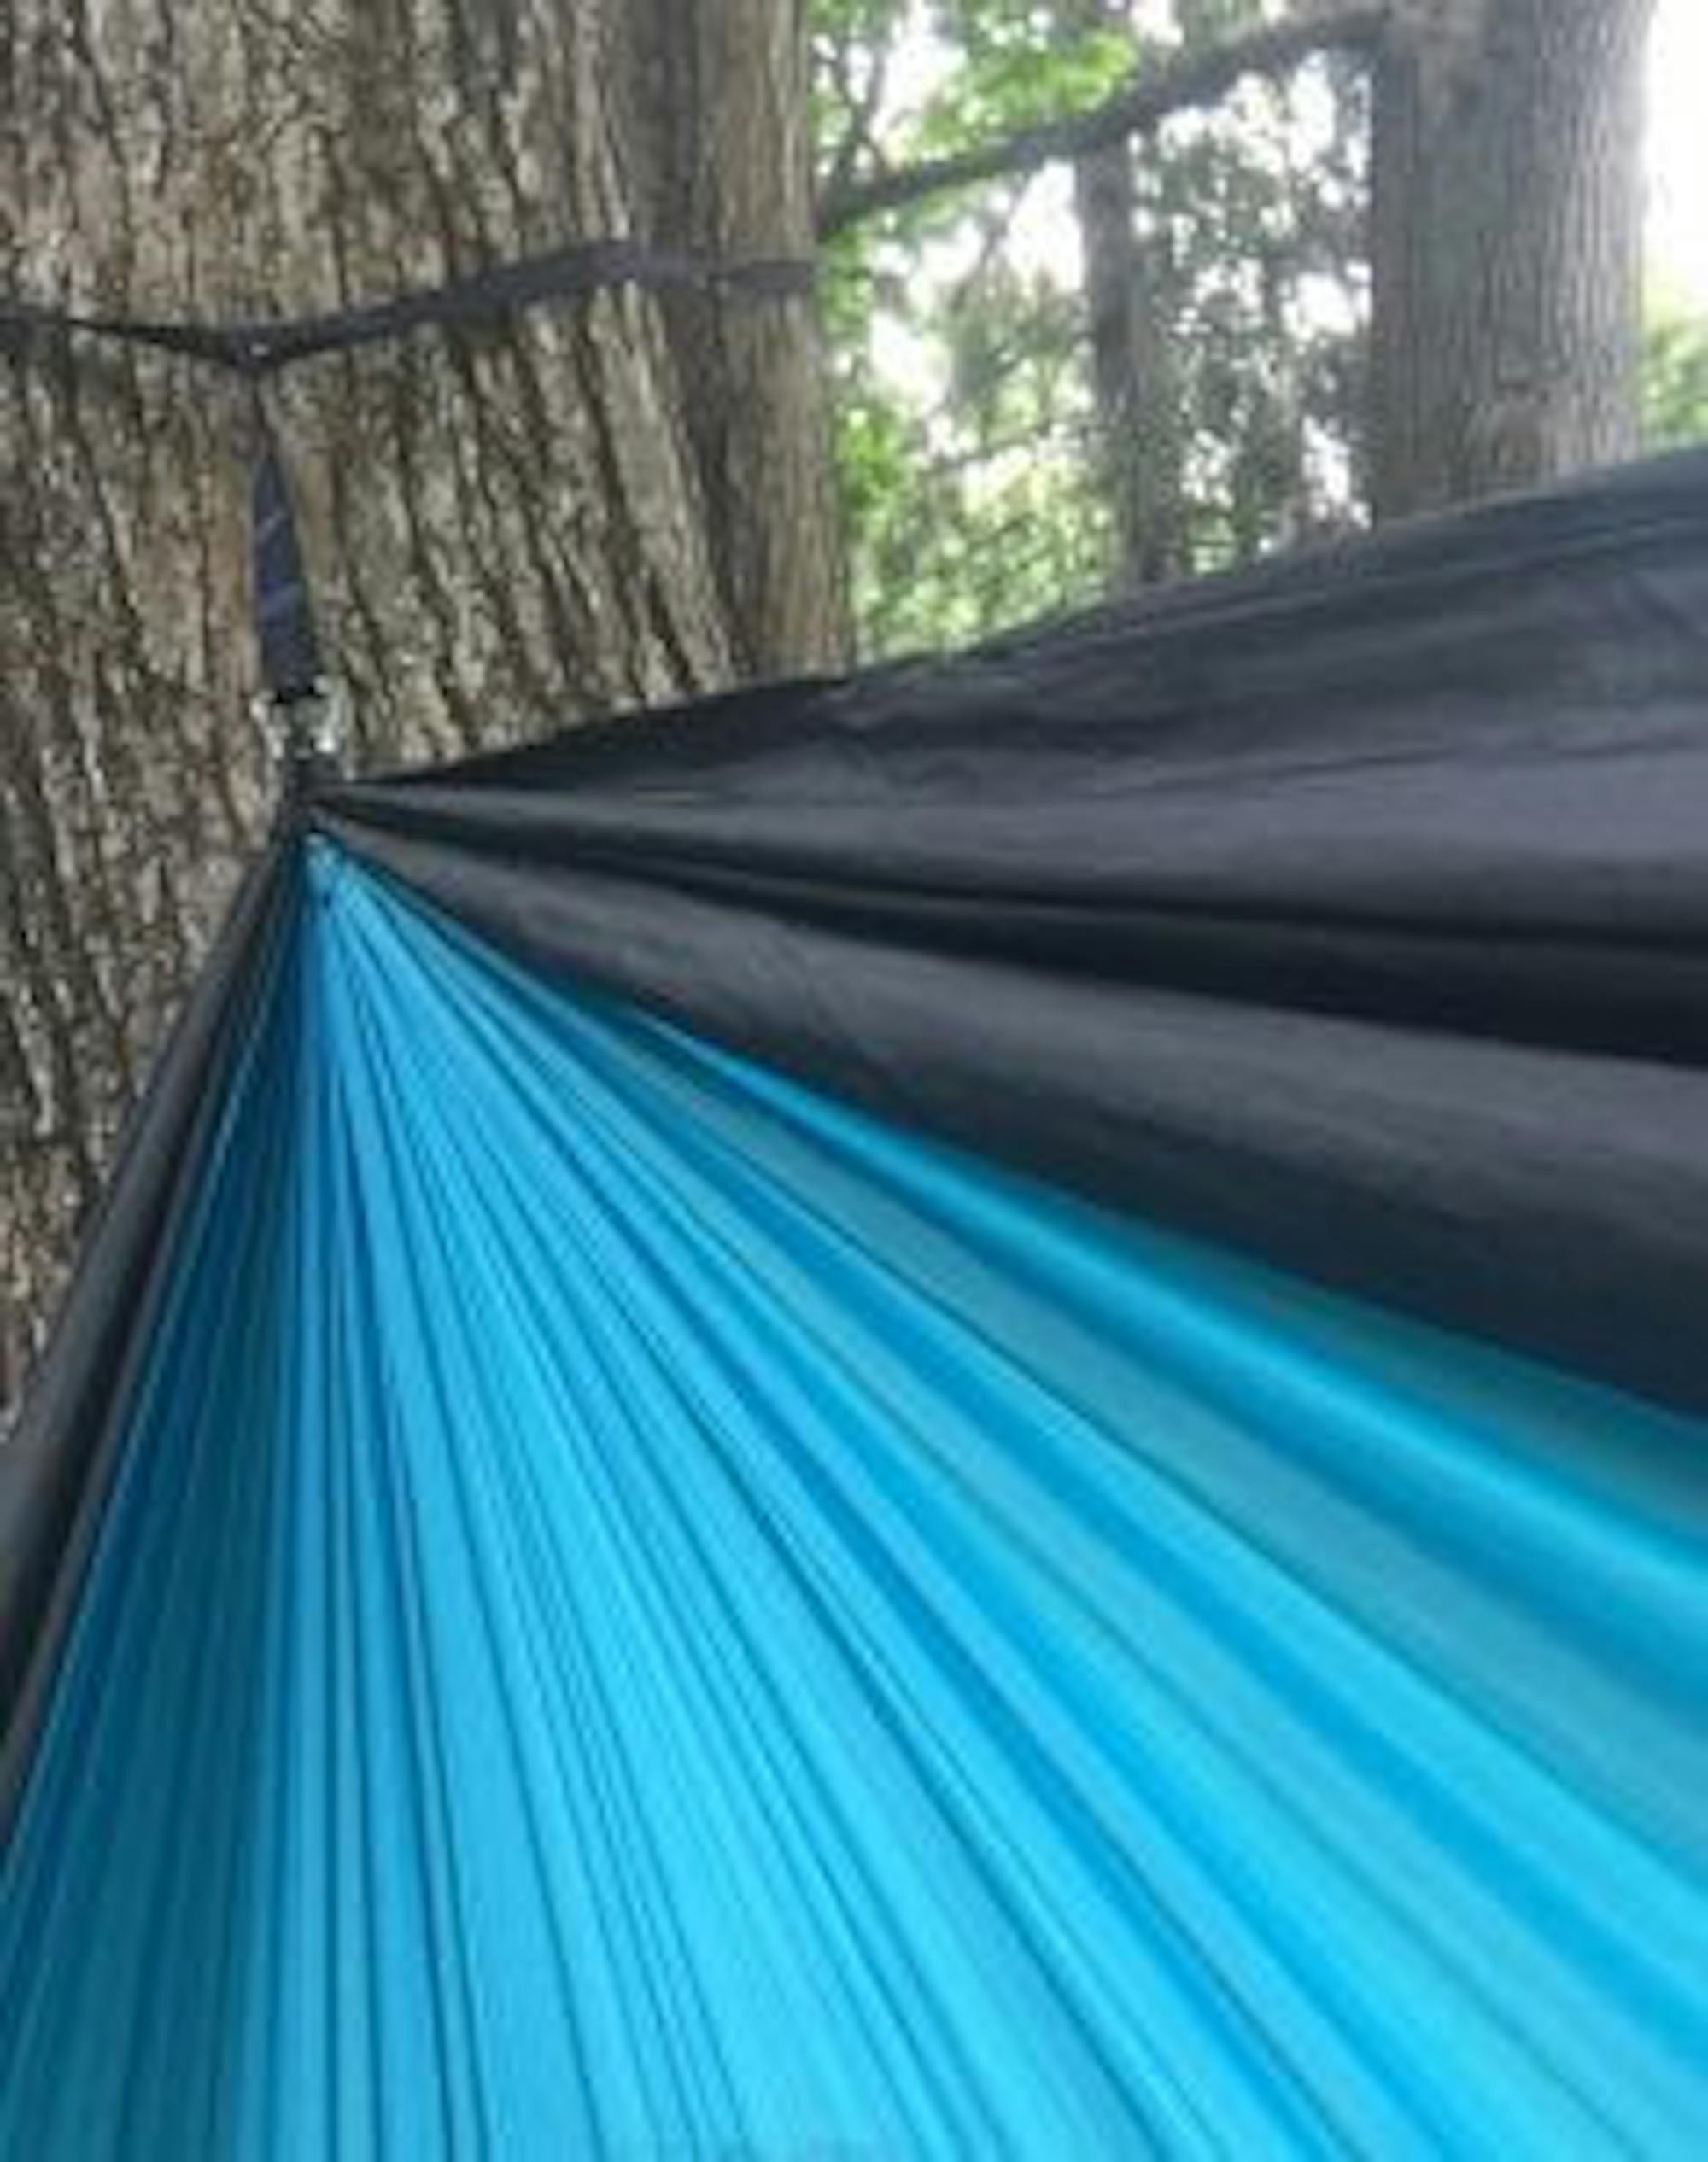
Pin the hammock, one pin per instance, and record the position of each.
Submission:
(957, 1413)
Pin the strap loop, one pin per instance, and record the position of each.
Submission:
(297, 688)
(254, 350)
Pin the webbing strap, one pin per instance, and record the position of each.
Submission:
(262, 347)
(285, 635)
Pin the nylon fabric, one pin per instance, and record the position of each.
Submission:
(57, 1466)
(646, 1612)
(1351, 912)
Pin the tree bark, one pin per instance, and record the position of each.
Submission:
(1137, 427)
(1506, 242)
(738, 182)
(508, 529)
(1103, 200)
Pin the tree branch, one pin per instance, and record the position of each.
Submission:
(1153, 95)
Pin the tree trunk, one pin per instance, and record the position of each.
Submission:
(738, 182)
(1137, 426)
(1506, 240)
(508, 529)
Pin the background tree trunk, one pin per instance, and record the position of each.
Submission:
(1137, 425)
(1137, 421)
(1506, 240)
(508, 529)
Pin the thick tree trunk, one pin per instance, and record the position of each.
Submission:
(1506, 240)
(508, 529)
(738, 182)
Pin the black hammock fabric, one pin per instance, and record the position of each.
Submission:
(1354, 911)
(955, 1411)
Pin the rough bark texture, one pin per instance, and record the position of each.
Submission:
(508, 529)
(1506, 239)
(739, 182)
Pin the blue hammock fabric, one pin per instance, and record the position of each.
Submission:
(649, 1614)
(959, 1413)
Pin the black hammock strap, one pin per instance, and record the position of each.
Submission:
(287, 641)
(286, 638)
(262, 347)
